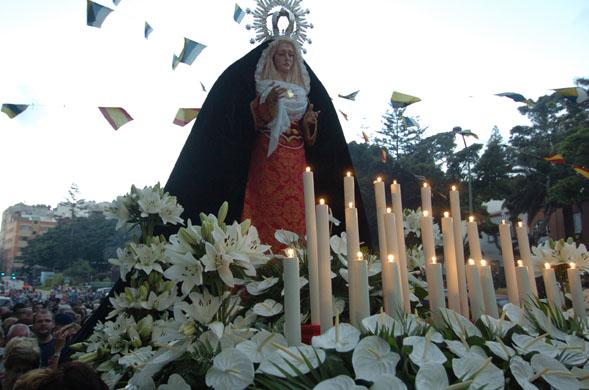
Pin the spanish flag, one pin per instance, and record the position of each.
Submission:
(582, 171)
(383, 155)
(96, 13)
(555, 159)
(13, 110)
(576, 94)
(400, 100)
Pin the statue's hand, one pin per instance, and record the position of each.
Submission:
(310, 125)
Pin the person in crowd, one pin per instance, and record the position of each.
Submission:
(43, 325)
(8, 322)
(21, 355)
(71, 376)
(24, 314)
(32, 379)
(18, 330)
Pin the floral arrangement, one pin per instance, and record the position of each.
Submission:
(560, 252)
(203, 310)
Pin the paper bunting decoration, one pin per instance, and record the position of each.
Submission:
(555, 159)
(203, 87)
(96, 13)
(185, 115)
(116, 2)
(343, 114)
(116, 116)
(351, 96)
(516, 97)
(13, 110)
(383, 155)
(582, 171)
(410, 122)
(401, 100)
(577, 94)
(365, 136)
(238, 14)
(189, 53)
(148, 29)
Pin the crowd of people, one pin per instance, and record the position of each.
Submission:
(34, 335)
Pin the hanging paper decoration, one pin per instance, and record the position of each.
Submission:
(410, 122)
(365, 136)
(576, 94)
(582, 171)
(400, 100)
(96, 13)
(383, 155)
(185, 116)
(13, 110)
(116, 2)
(238, 14)
(203, 87)
(351, 96)
(116, 116)
(343, 114)
(555, 159)
(148, 29)
(516, 97)
(189, 53)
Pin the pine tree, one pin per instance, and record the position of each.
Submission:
(400, 133)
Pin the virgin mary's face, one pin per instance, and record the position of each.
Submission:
(284, 58)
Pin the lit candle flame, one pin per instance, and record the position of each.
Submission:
(425, 213)
(389, 210)
(520, 224)
(308, 169)
(471, 219)
(289, 253)
(503, 222)
(483, 263)
(547, 265)
(348, 174)
(425, 185)
(359, 256)
(391, 258)
(453, 188)
(351, 205)
(434, 260)
(446, 214)
(573, 265)
(378, 179)
(394, 181)
(520, 263)
(471, 262)
(321, 201)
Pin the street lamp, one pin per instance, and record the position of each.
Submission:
(467, 133)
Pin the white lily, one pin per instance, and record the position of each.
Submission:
(203, 307)
(340, 382)
(150, 201)
(268, 308)
(522, 371)
(231, 369)
(175, 382)
(125, 261)
(461, 326)
(388, 382)
(461, 348)
(498, 327)
(373, 357)
(478, 371)
(525, 344)
(294, 356)
(500, 349)
(375, 323)
(170, 211)
(341, 337)
(286, 237)
(263, 344)
(149, 257)
(431, 376)
(137, 358)
(424, 350)
(553, 372)
(261, 286)
(185, 269)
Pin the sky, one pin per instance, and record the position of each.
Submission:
(454, 55)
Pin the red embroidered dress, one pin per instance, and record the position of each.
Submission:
(274, 191)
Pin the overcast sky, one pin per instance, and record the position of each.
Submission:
(454, 55)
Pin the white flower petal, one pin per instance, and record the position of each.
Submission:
(522, 371)
(375, 323)
(231, 369)
(431, 376)
(268, 308)
(486, 374)
(294, 356)
(347, 338)
(501, 350)
(461, 326)
(557, 375)
(373, 357)
(340, 382)
(175, 382)
(388, 382)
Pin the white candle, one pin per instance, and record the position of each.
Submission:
(311, 231)
(427, 235)
(451, 265)
(379, 196)
(397, 292)
(325, 305)
(292, 299)
(459, 247)
(521, 231)
(508, 262)
(349, 196)
(488, 288)
(474, 290)
(363, 306)
(523, 283)
(426, 198)
(473, 240)
(398, 211)
(577, 296)
(551, 286)
(435, 287)
(387, 272)
(353, 247)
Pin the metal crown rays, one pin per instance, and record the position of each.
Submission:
(291, 9)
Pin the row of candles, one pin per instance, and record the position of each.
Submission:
(470, 289)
